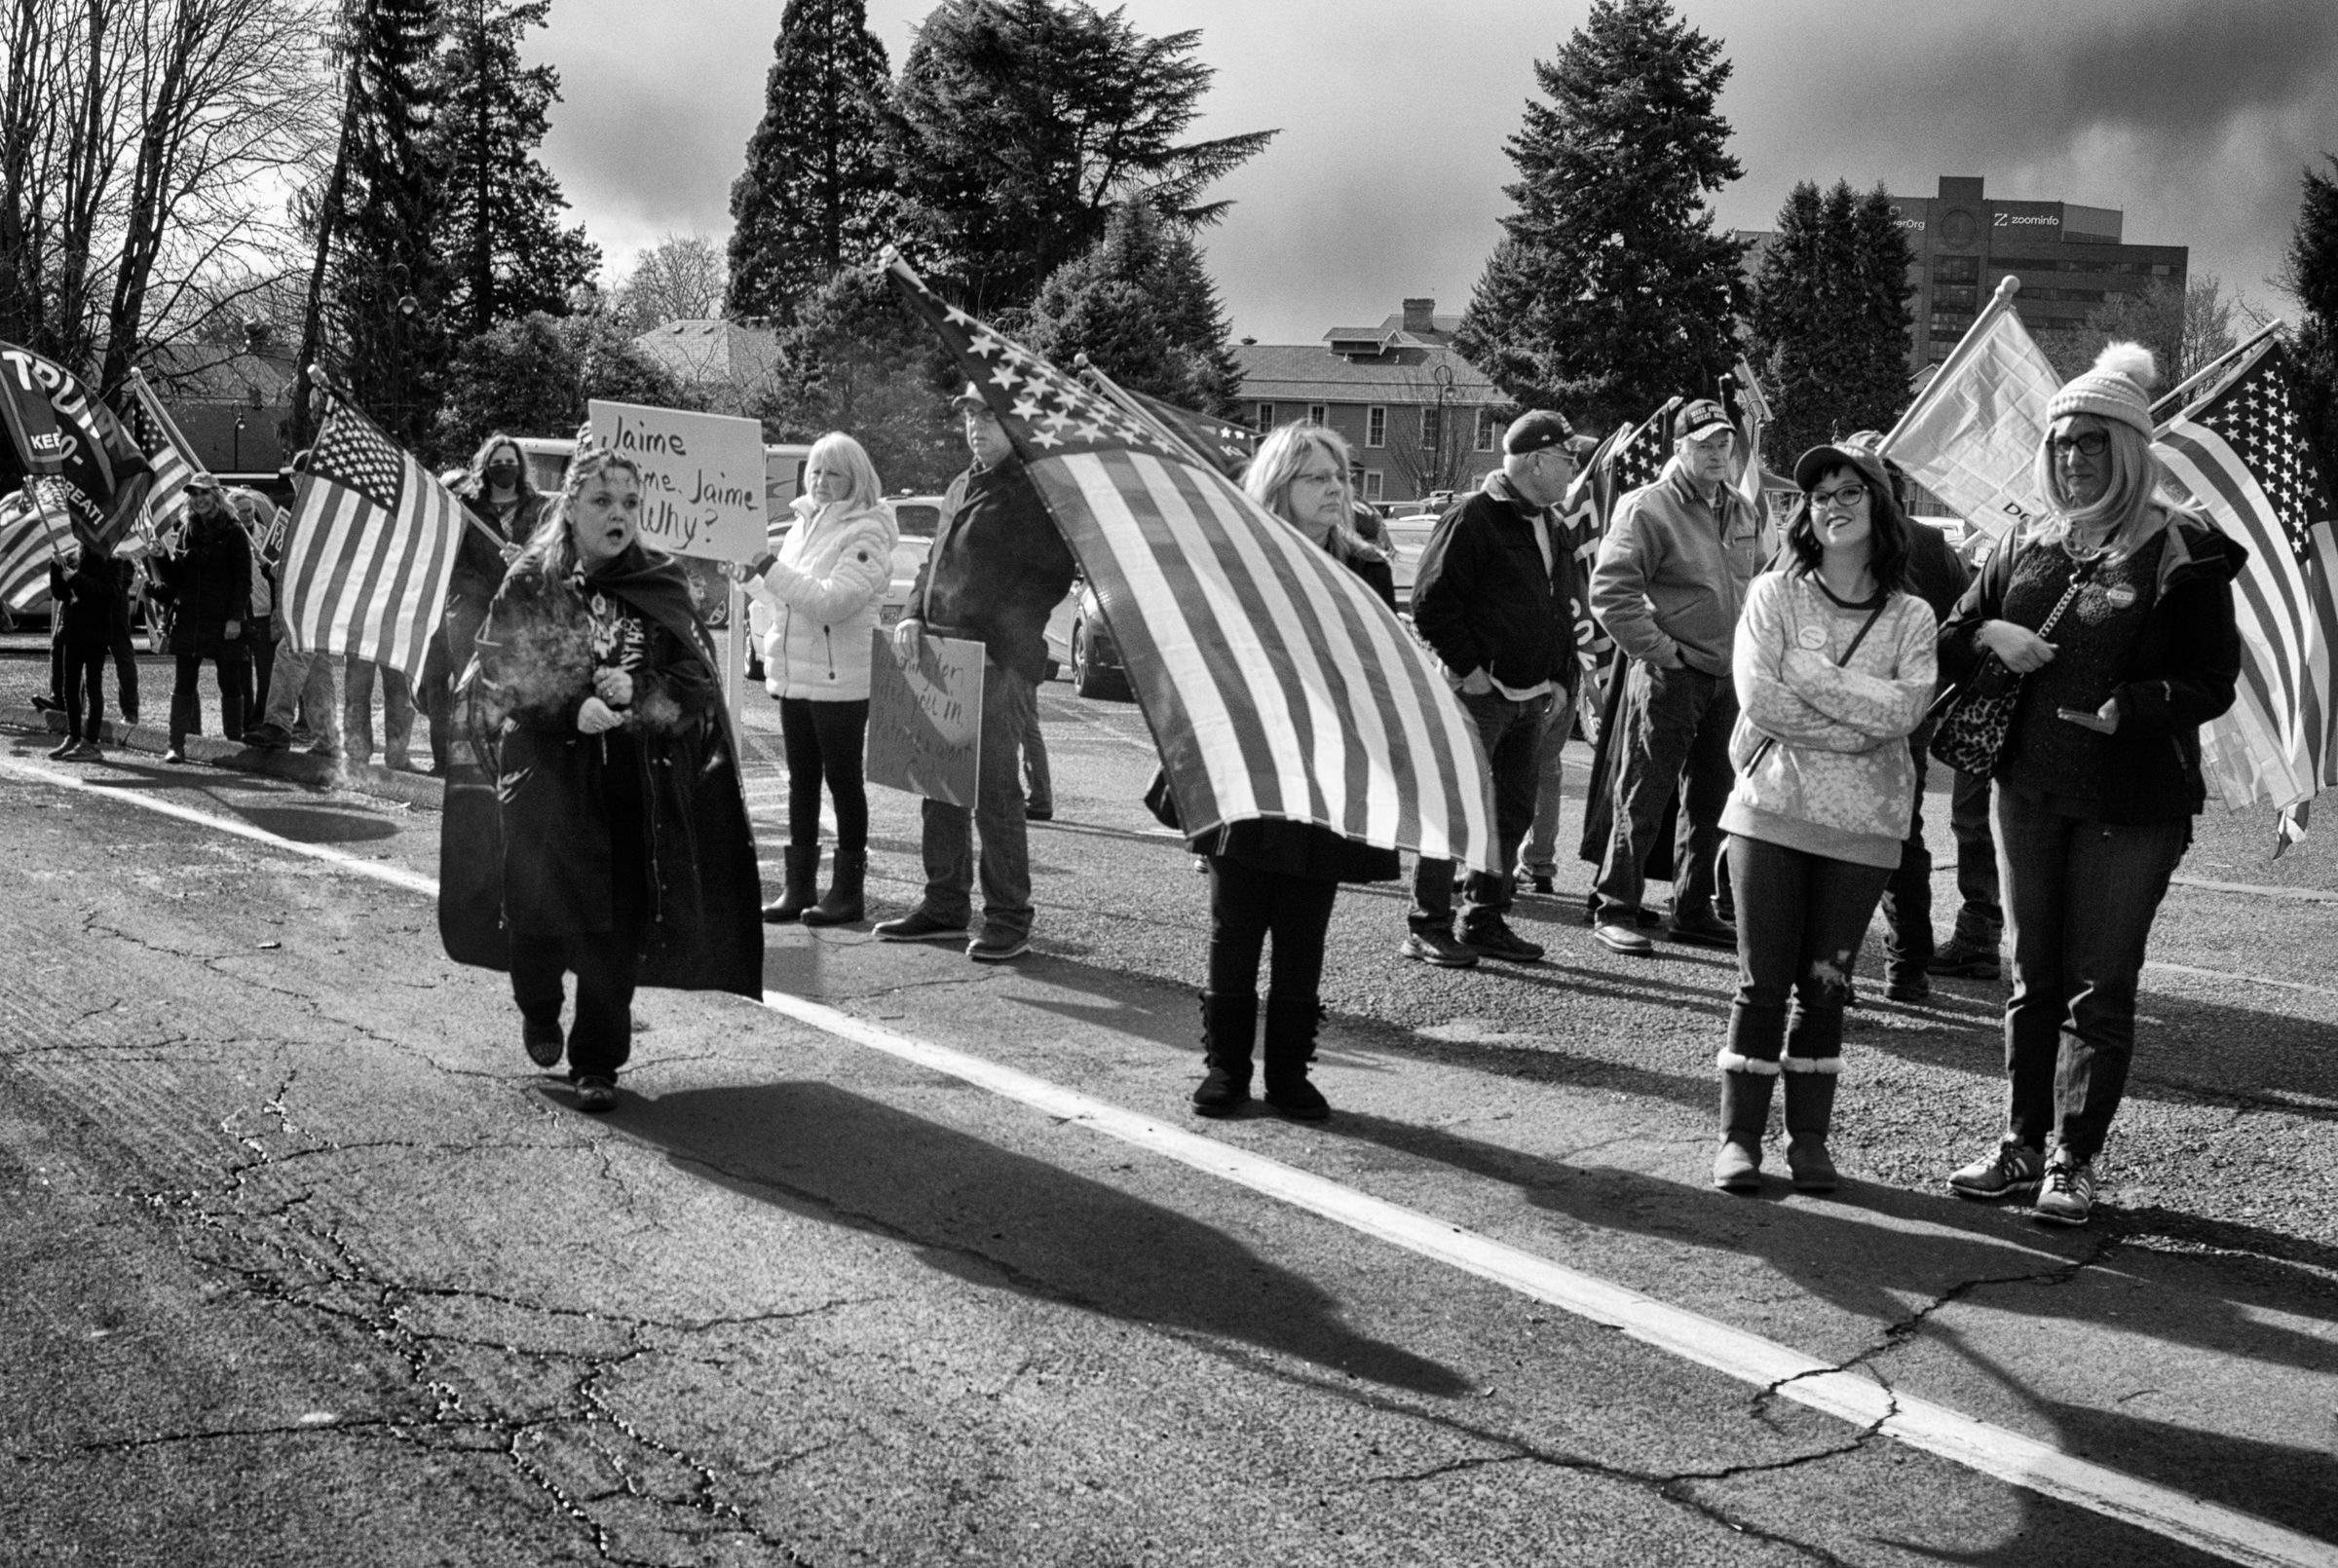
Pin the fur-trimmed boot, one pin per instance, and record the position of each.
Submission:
(803, 864)
(1229, 1024)
(840, 905)
(1809, 1112)
(1746, 1084)
(1291, 1022)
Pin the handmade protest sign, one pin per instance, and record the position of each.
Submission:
(926, 717)
(701, 478)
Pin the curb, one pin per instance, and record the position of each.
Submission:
(294, 767)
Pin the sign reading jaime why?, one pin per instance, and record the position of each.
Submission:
(701, 478)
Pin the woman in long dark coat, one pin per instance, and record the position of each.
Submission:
(606, 836)
(208, 576)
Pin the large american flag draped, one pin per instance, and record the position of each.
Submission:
(1274, 683)
(2242, 455)
(370, 549)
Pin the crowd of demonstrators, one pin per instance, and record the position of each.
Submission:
(613, 842)
(814, 606)
(996, 572)
(1668, 586)
(1495, 600)
(203, 580)
(1832, 669)
(2117, 618)
(1277, 879)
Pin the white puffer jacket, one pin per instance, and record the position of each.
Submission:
(812, 611)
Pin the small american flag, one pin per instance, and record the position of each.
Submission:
(1275, 684)
(370, 549)
(2242, 455)
(174, 460)
(30, 534)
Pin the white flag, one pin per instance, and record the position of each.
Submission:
(1972, 436)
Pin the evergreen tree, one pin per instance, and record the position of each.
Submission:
(1141, 306)
(1613, 291)
(1830, 318)
(855, 359)
(535, 374)
(2310, 277)
(1018, 126)
(506, 252)
(387, 276)
(817, 192)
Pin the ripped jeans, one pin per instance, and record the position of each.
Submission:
(1801, 918)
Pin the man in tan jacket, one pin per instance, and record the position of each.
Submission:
(1668, 586)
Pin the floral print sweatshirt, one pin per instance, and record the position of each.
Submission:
(1821, 747)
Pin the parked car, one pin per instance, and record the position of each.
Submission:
(920, 518)
(1078, 640)
(1408, 537)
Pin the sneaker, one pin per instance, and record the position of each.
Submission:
(542, 1041)
(267, 735)
(1038, 813)
(65, 748)
(86, 752)
(2067, 1196)
(996, 946)
(1960, 959)
(919, 926)
(1432, 946)
(1629, 940)
(2012, 1169)
(1543, 882)
(596, 1093)
(1492, 938)
(176, 754)
(1704, 931)
(47, 704)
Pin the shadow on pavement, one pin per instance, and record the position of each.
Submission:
(1000, 1219)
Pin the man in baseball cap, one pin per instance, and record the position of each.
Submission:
(1668, 586)
(1495, 598)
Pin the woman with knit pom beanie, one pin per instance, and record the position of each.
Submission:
(2116, 613)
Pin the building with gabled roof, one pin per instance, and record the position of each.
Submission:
(726, 361)
(1421, 418)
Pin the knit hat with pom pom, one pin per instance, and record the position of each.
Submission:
(2119, 388)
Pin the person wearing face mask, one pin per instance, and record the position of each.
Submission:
(1495, 599)
(1832, 667)
(608, 838)
(814, 606)
(2117, 614)
(207, 572)
(1668, 586)
(498, 492)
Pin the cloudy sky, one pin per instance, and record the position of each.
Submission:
(2194, 117)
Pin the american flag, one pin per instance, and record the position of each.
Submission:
(1275, 684)
(2242, 455)
(174, 460)
(370, 549)
(1630, 456)
(1227, 445)
(30, 534)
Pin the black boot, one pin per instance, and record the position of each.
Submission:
(1290, 1045)
(1227, 1025)
(1809, 1112)
(1745, 1116)
(841, 904)
(803, 864)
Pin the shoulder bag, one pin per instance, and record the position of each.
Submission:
(1975, 718)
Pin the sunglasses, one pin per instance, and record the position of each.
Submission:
(2087, 444)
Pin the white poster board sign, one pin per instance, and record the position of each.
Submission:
(926, 717)
(701, 478)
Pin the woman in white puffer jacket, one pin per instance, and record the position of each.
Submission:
(812, 609)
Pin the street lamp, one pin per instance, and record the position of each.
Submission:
(1442, 375)
(235, 462)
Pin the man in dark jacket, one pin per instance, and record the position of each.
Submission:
(1495, 599)
(996, 570)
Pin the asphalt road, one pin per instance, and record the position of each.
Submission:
(307, 1263)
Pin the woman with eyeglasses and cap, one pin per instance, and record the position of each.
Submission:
(1834, 667)
(2117, 614)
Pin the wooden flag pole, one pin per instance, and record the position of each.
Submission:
(2169, 400)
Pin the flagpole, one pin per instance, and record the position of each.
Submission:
(1142, 415)
(2160, 410)
(2000, 302)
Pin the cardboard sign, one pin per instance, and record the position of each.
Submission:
(701, 478)
(925, 717)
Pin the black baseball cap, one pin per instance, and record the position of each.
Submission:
(1700, 418)
(1534, 431)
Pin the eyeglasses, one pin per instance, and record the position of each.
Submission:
(1846, 497)
(2087, 444)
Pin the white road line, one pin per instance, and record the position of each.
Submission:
(1852, 1397)
(2310, 895)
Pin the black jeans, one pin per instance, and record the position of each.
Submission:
(84, 698)
(1511, 733)
(1676, 728)
(1980, 918)
(606, 964)
(824, 743)
(1247, 906)
(1801, 918)
(2080, 900)
(186, 697)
